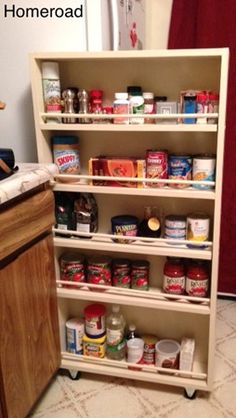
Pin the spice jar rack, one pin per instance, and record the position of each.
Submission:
(165, 73)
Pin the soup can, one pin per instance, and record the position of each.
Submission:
(149, 348)
(99, 270)
(179, 168)
(204, 170)
(74, 335)
(198, 225)
(156, 166)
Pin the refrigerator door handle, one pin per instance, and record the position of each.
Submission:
(114, 24)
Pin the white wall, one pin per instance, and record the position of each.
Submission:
(19, 37)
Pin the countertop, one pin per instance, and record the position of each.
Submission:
(29, 176)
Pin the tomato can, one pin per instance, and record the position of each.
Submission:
(121, 273)
(74, 335)
(198, 225)
(95, 320)
(140, 275)
(72, 267)
(179, 168)
(204, 170)
(156, 166)
(197, 279)
(149, 348)
(99, 270)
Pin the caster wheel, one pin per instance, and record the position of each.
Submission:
(74, 374)
(190, 393)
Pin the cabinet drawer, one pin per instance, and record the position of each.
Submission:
(25, 221)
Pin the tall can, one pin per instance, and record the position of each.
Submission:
(74, 335)
(204, 170)
(156, 166)
(179, 168)
(197, 228)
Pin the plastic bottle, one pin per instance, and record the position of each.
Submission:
(51, 89)
(115, 329)
(121, 106)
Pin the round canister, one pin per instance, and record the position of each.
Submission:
(140, 274)
(149, 348)
(175, 227)
(66, 154)
(204, 170)
(72, 267)
(179, 168)
(198, 225)
(167, 354)
(95, 320)
(156, 166)
(99, 270)
(74, 335)
(124, 225)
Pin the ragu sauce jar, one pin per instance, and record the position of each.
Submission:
(197, 279)
(174, 276)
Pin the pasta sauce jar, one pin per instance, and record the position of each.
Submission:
(174, 276)
(197, 279)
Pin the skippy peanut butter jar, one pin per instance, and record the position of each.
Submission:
(66, 154)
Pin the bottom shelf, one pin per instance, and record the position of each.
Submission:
(195, 379)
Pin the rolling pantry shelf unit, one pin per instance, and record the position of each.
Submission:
(165, 73)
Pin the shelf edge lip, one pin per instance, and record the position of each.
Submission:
(134, 301)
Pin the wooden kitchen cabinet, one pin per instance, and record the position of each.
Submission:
(29, 340)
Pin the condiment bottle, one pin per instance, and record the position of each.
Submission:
(51, 89)
(83, 106)
(174, 276)
(197, 279)
(121, 106)
(150, 226)
(131, 332)
(95, 105)
(202, 106)
(69, 97)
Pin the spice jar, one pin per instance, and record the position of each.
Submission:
(197, 279)
(96, 103)
(213, 106)
(148, 106)
(174, 276)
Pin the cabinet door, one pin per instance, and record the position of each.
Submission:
(29, 339)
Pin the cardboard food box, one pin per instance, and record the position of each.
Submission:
(117, 167)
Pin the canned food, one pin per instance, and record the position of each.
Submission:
(149, 348)
(94, 347)
(198, 225)
(72, 267)
(74, 335)
(175, 227)
(167, 354)
(179, 168)
(156, 166)
(204, 170)
(121, 273)
(99, 270)
(126, 225)
(140, 275)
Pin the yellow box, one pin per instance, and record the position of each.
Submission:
(94, 347)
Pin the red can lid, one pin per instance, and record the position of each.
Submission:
(202, 97)
(95, 310)
(213, 96)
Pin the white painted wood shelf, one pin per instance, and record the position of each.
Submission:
(167, 316)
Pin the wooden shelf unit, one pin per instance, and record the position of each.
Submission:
(164, 73)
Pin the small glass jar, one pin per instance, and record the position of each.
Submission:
(148, 106)
(197, 279)
(174, 276)
(96, 104)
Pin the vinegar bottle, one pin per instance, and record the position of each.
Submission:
(115, 329)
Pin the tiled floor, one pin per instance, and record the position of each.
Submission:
(104, 397)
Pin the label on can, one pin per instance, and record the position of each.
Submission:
(74, 336)
(149, 348)
(198, 227)
(179, 168)
(67, 161)
(203, 170)
(156, 166)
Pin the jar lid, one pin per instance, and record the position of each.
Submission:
(160, 98)
(68, 140)
(141, 264)
(50, 70)
(97, 94)
(94, 310)
(124, 219)
(148, 95)
(170, 347)
(72, 257)
(121, 96)
(133, 89)
(121, 262)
